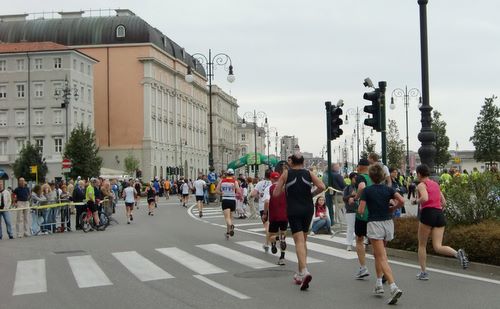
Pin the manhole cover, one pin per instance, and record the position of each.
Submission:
(69, 251)
(265, 273)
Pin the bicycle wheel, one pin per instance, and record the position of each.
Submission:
(104, 219)
(85, 223)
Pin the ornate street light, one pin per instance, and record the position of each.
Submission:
(355, 113)
(254, 116)
(65, 93)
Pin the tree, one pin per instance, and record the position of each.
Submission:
(486, 138)
(442, 142)
(395, 146)
(369, 148)
(131, 164)
(82, 150)
(28, 156)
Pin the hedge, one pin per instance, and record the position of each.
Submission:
(481, 241)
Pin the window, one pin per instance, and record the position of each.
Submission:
(83, 119)
(3, 146)
(74, 64)
(243, 151)
(38, 118)
(120, 31)
(20, 144)
(3, 65)
(57, 116)
(58, 145)
(57, 63)
(3, 92)
(89, 95)
(3, 119)
(20, 90)
(75, 116)
(20, 118)
(39, 143)
(90, 121)
(38, 64)
(82, 92)
(20, 64)
(82, 67)
(38, 90)
(243, 136)
(89, 70)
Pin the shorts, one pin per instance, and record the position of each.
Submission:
(92, 206)
(275, 226)
(432, 217)
(360, 227)
(261, 213)
(300, 223)
(382, 230)
(151, 200)
(199, 198)
(185, 195)
(129, 204)
(229, 204)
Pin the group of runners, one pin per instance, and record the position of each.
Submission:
(287, 201)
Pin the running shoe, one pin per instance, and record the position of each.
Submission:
(266, 248)
(362, 272)
(200, 214)
(274, 250)
(395, 295)
(281, 262)
(131, 218)
(349, 248)
(282, 245)
(423, 276)
(462, 257)
(227, 236)
(305, 281)
(231, 230)
(379, 289)
(297, 279)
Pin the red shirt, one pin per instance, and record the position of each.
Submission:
(277, 206)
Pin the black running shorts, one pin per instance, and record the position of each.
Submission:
(275, 226)
(432, 217)
(92, 206)
(229, 204)
(360, 227)
(129, 204)
(199, 198)
(299, 223)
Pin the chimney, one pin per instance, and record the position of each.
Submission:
(74, 14)
(16, 17)
(124, 12)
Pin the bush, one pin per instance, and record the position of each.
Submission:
(481, 241)
(473, 199)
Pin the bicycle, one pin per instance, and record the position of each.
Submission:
(87, 219)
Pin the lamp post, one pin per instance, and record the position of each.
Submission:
(65, 93)
(181, 170)
(210, 62)
(269, 131)
(354, 112)
(406, 95)
(254, 116)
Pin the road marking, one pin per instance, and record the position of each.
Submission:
(236, 256)
(247, 224)
(341, 253)
(190, 261)
(258, 229)
(142, 268)
(291, 256)
(195, 210)
(86, 272)
(30, 277)
(222, 287)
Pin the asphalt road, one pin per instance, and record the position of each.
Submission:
(177, 260)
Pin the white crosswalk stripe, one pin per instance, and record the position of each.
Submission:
(86, 272)
(290, 256)
(190, 261)
(142, 268)
(341, 253)
(237, 256)
(30, 277)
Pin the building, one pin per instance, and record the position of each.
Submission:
(32, 79)
(143, 105)
(464, 160)
(289, 144)
(249, 143)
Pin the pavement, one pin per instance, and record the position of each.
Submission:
(175, 259)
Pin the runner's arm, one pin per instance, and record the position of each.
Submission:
(280, 185)
(320, 186)
(361, 187)
(361, 207)
(423, 196)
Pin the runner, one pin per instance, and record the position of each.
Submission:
(151, 196)
(300, 208)
(258, 192)
(432, 222)
(130, 195)
(91, 202)
(185, 193)
(227, 188)
(362, 181)
(380, 227)
(166, 186)
(275, 212)
(199, 186)
(138, 190)
(350, 207)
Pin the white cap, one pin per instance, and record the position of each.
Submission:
(230, 171)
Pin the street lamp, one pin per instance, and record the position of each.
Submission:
(406, 95)
(254, 116)
(354, 112)
(65, 94)
(181, 170)
(269, 131)
(209, 62)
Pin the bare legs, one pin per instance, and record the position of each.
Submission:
(300, 239)
(437, 243)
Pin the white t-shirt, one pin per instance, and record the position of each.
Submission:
(199, 185)
(267, 194)
(129, 194)
(185, 188)
(261, 187)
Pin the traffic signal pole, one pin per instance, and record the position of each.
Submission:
(328, 106)
(382, 86)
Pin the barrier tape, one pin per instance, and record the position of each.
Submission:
(42, 207)
(333, 189)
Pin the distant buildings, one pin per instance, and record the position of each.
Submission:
(289, 144)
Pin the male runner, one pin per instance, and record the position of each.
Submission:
(258, 192)
(199, 186)
(227, 188)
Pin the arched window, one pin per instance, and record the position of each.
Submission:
(120, 31)
(243, 151)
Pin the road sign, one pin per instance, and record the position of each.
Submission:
(34, 169)
(66, 163)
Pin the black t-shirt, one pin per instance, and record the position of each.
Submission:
(377, 199)
(298, 193)
(22, 194)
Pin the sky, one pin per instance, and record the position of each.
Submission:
(290, 56)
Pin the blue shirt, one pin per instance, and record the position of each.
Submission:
(22, 194)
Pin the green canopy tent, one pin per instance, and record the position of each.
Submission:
(249, 159)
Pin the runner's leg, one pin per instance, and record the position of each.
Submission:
(423, 235)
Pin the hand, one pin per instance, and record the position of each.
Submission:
(264, 217)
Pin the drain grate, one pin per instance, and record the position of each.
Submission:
(69, 251)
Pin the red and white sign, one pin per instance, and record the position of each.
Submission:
(66, 163)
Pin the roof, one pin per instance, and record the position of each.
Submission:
(30, 46)
(84, 31)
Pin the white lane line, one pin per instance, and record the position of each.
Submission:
(341, 253)
(190, 261)
(335, 239)
(290, 255)
(236, 256)
(211, 217)
(30, 277)
(247, 224)
(258, 229)
(142, 268)
(86, 272)
(222, 287)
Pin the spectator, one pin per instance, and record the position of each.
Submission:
(21, 197)
(351, 206)
(37, 199)
(79, 197)
(321, 220)
(5, 204)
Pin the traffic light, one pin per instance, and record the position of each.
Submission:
(335, 122)
(374, 109)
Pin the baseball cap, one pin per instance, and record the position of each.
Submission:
(363, 162)
(275, 175)
(230, 171)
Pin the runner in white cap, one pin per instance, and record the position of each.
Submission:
(227, 188)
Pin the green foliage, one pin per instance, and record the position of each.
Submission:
(486, 138)
(131, 164)
(472, 199)
(369, 148)
(82, 150)
(395, 146)
(442, 142)
(30, 155)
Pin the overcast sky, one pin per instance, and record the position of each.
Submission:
(291, 56)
